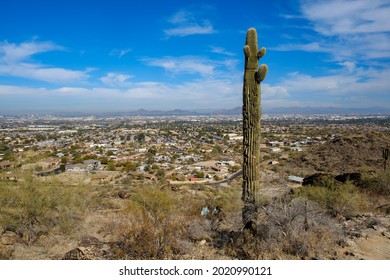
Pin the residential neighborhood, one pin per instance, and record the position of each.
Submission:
(85, 185)
(166, 149)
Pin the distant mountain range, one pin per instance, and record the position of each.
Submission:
(238, 111)
(234, 111)
(326, 110)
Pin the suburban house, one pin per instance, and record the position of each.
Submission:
(296, 148)
(77, 167)
(5, 164)
(87, 166)
(226, 161)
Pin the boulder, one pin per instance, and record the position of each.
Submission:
(355, 177)
(123, 194)
(90, 248)
(315, 179)
(6, 252)
(74, 254)
(198, 231)
(8, 238)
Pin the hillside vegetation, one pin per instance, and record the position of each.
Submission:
(60, 217)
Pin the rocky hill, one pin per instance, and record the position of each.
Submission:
(344, 154)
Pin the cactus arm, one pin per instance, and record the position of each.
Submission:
(247, 51)
(261, 52)
(261, 73)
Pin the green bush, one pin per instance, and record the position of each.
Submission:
(338, 199)
(378, 183)
(32, 208)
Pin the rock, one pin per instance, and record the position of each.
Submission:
(320, 178)
(316, 179)
(88, 240)
(74, 254)
(90, 248)
(353, 176)
(345, 224)
(202, 242)
(368, 215)
(379, 228)
(350, 243)
(199, 232)
(349, 254)
(123, 194)
(8, 238)
(386, 234)
(6, 252)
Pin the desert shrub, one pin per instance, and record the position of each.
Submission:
(228, 198)
(32, 208)
(24, 207)
(338, 199)
(288, 229)
(126, 180)
(155, 230)
(191, 205)
(377, 183)
(71, 204)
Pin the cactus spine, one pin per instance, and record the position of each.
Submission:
(385, 155)
(251, 127)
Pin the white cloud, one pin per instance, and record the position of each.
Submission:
(359, 88)
(194, 65)
(349, 65)
(14, 53)
(119, 53)
(15, 60)
(309, 47)
(317, 85)
(347, 29)
(68, 91)
(187, 23)
(12, 91)
(182, 16)
(362, 47)
(190, 29)
(42, 73)
(206, 93)
(116, 79)
(184, 65)
(357, 36)
(269, 92)
(220, 50)
(340, 17)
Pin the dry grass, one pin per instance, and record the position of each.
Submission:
(31, 208)
(287, 229)
(155, 222)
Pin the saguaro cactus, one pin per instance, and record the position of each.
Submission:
(385, 155)
(253, 75)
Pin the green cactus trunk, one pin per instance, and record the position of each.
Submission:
(385, 155)
(251, 127)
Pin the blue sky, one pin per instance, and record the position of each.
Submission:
(117, 55)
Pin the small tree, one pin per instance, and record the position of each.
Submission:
(111, 166)
(140, 138)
